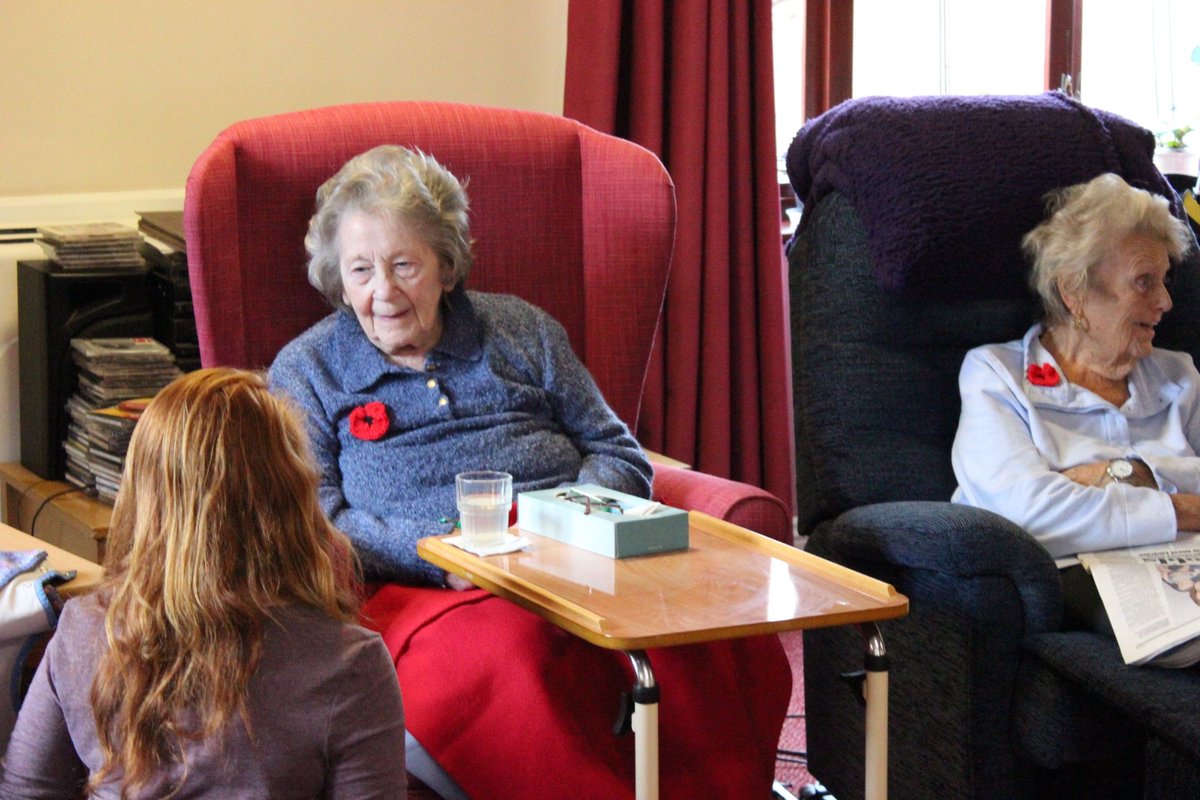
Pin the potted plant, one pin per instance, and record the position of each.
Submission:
(1175, 159)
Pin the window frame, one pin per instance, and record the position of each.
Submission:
(829, 50)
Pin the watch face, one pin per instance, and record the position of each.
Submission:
(1120, 469)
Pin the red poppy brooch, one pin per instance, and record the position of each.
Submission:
(369, 421)
(1042, 375)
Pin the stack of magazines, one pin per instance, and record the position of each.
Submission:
(92, 246)
(106, 440)
(117, 377)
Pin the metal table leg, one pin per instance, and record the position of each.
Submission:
(645, 727)
(875, 690)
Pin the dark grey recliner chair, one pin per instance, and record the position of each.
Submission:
(908, 256)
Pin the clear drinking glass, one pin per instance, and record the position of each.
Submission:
(484, 499)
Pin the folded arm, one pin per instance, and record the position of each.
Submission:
(1000, 467)
(611, 455)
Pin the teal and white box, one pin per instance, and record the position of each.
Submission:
(549, 513)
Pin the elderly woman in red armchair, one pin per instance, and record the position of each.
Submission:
(413, 379)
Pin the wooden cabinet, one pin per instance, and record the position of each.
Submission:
(55, 512)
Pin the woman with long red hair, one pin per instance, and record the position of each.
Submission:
(220, 657)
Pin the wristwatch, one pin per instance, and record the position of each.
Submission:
(1120, 470)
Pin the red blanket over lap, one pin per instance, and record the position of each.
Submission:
(513, 707)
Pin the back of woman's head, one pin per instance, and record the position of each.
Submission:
(220, 495)
(216, 523)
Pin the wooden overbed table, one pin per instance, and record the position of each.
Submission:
(729, 583)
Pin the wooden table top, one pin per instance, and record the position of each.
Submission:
(730, 582)
(88, 574)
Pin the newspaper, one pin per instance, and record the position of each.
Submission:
(1152, 596)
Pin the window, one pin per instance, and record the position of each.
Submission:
(916, 47)
(1139, 60)
(1142, 61)
(787, 46)
(927, 47)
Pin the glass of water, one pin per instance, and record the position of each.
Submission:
(484, 499)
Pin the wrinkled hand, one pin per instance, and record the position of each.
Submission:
(456, 583)
(1187, 511)
(1096, 474)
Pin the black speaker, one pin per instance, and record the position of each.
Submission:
(54, 306)
(174, 320)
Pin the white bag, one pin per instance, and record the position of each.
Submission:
(29, 607)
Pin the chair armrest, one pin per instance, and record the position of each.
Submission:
(979, 588)
(660, 458)
(733, 501)
(951, 540)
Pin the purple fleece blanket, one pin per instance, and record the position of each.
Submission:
(947, 186)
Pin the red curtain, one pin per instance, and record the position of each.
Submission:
(692, 81)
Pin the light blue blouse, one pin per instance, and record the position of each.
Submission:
(1015, 437)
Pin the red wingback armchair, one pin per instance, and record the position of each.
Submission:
(577, 222)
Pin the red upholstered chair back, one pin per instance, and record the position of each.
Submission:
(577, 222)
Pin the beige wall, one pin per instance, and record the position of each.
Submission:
(122, 95)
(106, 103)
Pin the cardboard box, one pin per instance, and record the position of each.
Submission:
(580, 517)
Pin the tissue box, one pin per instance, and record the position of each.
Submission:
(546, 513)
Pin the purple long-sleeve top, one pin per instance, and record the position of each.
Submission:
(324, 707)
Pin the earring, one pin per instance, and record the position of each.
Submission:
(1079, 322)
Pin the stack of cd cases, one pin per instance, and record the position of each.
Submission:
(117, 378)
(92, 246)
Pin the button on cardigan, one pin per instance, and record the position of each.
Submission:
(502, 390)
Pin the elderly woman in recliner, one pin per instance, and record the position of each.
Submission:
(1083, 432)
